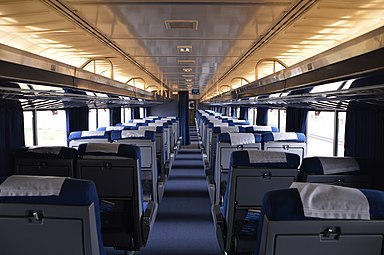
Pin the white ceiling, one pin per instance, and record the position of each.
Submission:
(230, 39)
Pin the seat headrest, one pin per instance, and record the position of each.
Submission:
(132, 134)
(284, 136)
(109, 149)
(329, 165)
(157, 129)
(225, 129)
(110, 128)
(286, 204)
(76, 135)
(228, 137)
(46, 152)
(256, 158)
(261, 129)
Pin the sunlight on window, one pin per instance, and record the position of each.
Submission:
(28, 132)
(51, 128)
(320, 133)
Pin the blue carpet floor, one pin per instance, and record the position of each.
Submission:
(184, 223)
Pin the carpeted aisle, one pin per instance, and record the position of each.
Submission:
(184, 223)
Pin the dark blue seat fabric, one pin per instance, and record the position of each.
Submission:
(269, 137)
(106, 149)
(286, 205)
(241, 159)
(46, 152)
(314, 165)
(119, 135)
(73, 192)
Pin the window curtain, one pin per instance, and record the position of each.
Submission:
(296, 120)
(11, 133)
(364, 136)
(135, 113)
(114, 112)
(114, 115)
(233, 111)
(184, 117)
(77, 116)
(262, 116)
(243, 113)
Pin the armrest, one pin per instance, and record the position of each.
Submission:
(148, 219)
(220, 226)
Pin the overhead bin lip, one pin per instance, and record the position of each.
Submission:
(321, 67)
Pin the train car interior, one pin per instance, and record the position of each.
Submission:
(204, 127)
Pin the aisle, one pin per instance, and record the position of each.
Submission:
(184, 223)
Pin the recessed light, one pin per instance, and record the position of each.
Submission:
(188, 80)
(187, 70)
(185, 49)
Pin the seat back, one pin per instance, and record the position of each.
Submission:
(78, 137)
(286, 228)
(252, 174)
(46, 161)
(344, 171)
(287, 142)
(67, 222)
(115, 169)
(146, 141)
(228, 143)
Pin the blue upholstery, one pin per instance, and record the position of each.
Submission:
(241, 159)
(217, 130)
(313, 165)
(124, 150)
(64, 153)
(117, 135)
(226, 138)
(73, 192)
(268, 137)
(286, 204)
(76, 135)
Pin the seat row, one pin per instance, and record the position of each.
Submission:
(241, 220)
(105, 206)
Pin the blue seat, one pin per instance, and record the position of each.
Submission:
(287, 229)
(115, 169)
(68, 223)
(285, 141)
(344, 171)
(226, 144)
(46, 160)
(252, 173)
(78, 137)
(146, 141)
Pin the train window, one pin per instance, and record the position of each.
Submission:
(342, 116)
(92, 119)
(252, 115)
(51, 128)
(277, 118)
(28, 128)
(320, 133)
(283, 120)
(103, 117)
(273, 117)
(142, 112)
(126, 114)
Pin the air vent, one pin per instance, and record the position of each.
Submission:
(186, 61)
(181, 24)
